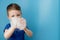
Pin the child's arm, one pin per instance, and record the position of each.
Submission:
(23, 27)
(28, 32)
(9, 32)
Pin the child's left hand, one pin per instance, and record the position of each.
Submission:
(21, 24)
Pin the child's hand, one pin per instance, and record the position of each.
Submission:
(13, 22)
(21, 24)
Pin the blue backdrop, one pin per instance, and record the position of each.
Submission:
(42, 18)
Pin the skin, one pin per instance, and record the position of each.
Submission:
(9, 32)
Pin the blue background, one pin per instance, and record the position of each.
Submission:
(42, 18)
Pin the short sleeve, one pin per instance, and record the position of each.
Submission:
(6, 27)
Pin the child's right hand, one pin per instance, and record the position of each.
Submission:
(21, 24)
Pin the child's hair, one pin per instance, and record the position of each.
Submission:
(13, 6)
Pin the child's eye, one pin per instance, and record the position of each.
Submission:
(18, 14)
(12, 15)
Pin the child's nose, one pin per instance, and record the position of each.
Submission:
(15, 16)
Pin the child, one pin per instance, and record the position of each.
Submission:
(17, 27)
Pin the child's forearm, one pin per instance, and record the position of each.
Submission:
(9, 32)
(28, 32)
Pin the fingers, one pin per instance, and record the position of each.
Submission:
(23, 22)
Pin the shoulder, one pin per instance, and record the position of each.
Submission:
(7, 26)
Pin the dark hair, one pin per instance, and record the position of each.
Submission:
(13, 6)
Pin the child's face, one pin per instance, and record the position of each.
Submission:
(14, 13)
